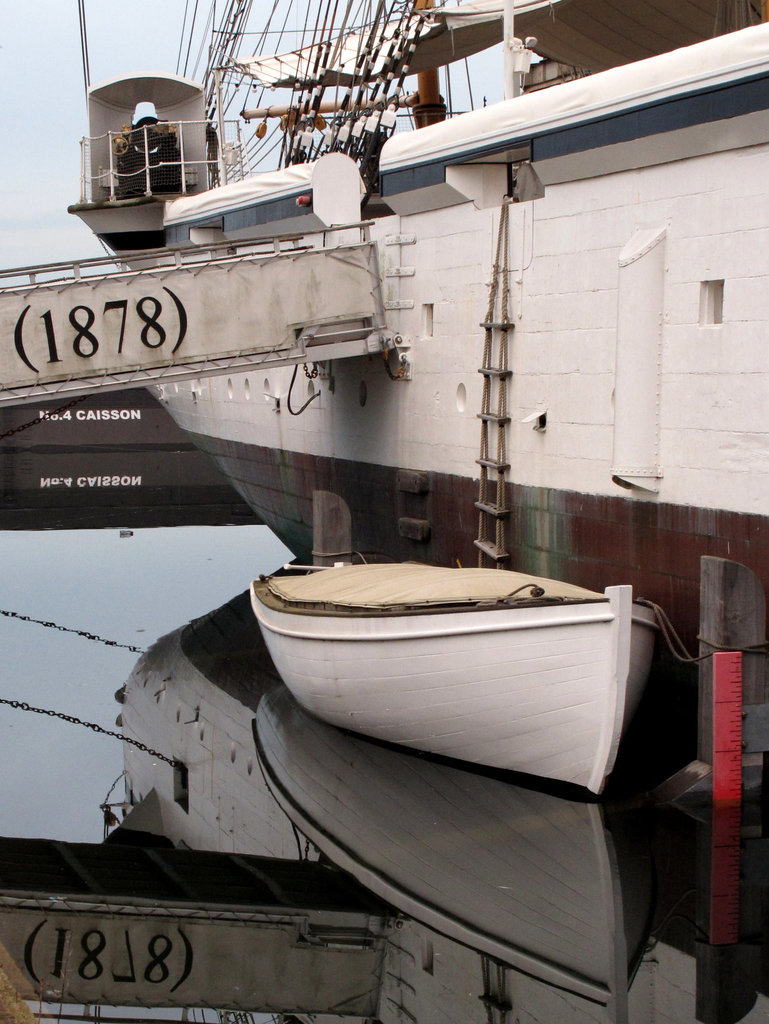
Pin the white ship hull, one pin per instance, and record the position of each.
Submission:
(545, 896)
(638, 353)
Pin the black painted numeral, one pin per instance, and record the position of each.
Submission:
(153, 332)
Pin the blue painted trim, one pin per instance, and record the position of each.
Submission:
(254, 215)
(704, 106)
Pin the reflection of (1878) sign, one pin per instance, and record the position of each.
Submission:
(251, 960)
(140, 958)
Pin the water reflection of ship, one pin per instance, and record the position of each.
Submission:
(528, 880)
(508, 895)
(114, 459)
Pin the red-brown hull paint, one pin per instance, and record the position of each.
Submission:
(593, 540)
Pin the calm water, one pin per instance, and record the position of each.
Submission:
(466, 897)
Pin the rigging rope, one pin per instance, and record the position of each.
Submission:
(84, 46)
(181, 36)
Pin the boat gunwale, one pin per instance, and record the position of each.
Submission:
(260, 589)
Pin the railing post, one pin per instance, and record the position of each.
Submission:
(182, 169)
(148, 182)
(82, 171)
(112, 171)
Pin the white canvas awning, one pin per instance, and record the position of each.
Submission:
(592, 34)
(444, 35)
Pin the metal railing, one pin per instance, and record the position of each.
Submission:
(166, 158)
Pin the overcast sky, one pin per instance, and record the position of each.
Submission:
(44, 110)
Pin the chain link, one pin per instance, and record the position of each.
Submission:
(401, 371)
(43, 417)
(21, 705)
(67, 629)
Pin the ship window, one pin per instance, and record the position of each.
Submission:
(181, 787)
(711, 303)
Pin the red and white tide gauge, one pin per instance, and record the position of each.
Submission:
(727, 795)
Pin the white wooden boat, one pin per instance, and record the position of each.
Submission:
(560, 890)
(493, 667)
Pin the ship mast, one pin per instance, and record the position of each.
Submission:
(429, 108)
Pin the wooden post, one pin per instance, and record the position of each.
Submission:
(732, 617)
(331, 529)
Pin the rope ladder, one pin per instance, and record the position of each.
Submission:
(493, 508)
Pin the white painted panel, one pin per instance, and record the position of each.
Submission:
(123, 325)
(636, 461)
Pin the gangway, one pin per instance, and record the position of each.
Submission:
(125, 925)
(68, 329)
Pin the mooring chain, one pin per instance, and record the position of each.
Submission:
(68, 629)
(21, 705)
(43, 417)
(401, 371)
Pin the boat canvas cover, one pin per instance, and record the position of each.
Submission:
(388, 585)
(718, 61)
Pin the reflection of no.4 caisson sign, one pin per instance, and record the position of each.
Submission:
(146, 321)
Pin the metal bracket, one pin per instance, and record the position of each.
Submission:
(755, 728)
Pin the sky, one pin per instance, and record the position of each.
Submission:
(44, 107)
(44, 110)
